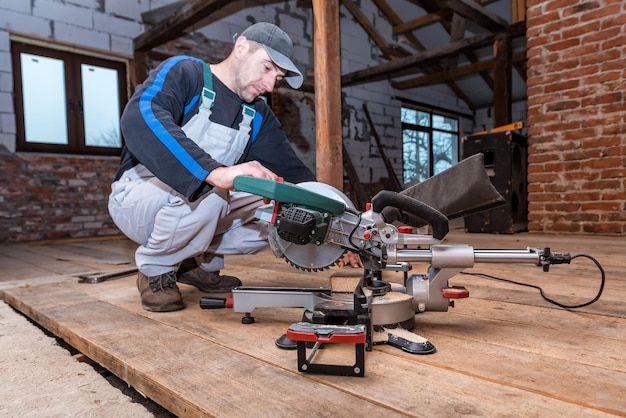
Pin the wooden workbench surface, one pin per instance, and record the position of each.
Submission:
(502, 352)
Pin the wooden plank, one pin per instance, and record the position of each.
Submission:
(87, 254)
(498, 351)
(187, 346)
(36, 262)
(187, 374)
(326, 50)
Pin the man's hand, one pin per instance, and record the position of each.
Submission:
(354, 261)
(223, 177)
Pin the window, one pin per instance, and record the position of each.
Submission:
(430, 142)
(67, 102)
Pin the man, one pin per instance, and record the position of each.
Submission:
(189, 130)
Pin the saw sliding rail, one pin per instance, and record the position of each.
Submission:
(465, 256)
(431, 291)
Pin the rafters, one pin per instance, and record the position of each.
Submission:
(437, 65)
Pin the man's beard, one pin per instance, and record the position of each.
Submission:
(243, 90)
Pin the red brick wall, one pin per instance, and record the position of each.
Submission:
(46, 196)
(576, 116)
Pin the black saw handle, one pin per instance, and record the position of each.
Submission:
(436, 219)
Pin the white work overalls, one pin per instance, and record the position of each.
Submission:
(170, 228)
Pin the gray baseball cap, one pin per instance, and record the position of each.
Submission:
(278, 46)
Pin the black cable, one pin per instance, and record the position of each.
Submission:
(561, 305)
(356, 226)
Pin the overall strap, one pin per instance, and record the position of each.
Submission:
(248, 113)
(208, 98)
(208, 95)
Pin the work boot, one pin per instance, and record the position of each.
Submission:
(159, 293)
(209, 281)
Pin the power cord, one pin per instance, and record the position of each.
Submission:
(561, 305)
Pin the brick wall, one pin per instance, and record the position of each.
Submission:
(576, 116)
(44, 196)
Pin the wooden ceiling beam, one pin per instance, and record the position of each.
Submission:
(389, 70)
(419, 22)
(156, 16)
(435, 13)
(389, 51)
(473, 11)
(404, 66)
(173, 27)
(395, 19)
(443, 76)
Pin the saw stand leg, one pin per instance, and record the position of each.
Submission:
(248, 319)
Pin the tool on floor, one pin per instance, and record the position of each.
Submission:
(99, 277)
(313, 225)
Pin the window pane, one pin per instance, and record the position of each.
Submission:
(416, 155)
(101, 106)
(445, 151)
(445, 123)
(43, 87)
(415, 117)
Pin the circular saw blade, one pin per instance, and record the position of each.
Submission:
(307, 257)
(310, 256)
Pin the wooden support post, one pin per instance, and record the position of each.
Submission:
(139, 70)
(518, 11)
(502, 83)
(326, 50)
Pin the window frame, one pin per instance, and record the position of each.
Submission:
(429, 131)
(73, 89)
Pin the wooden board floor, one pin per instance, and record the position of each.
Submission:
(502, 352)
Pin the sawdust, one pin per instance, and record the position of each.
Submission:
(381, 336)
(39, 377)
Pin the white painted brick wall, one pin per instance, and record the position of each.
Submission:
(7, 141)
(5, 61)
(70, 33)
(25, 23)
(90, 4)
(114, 25)
(20, 6)
(6, 102)
(129, 9)
(484, 117)
(6, 81)
(7, 123)
(122, 45)
(59, 12)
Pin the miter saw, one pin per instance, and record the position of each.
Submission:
(313, 225)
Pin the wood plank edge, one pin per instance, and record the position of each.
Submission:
(146, 386)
